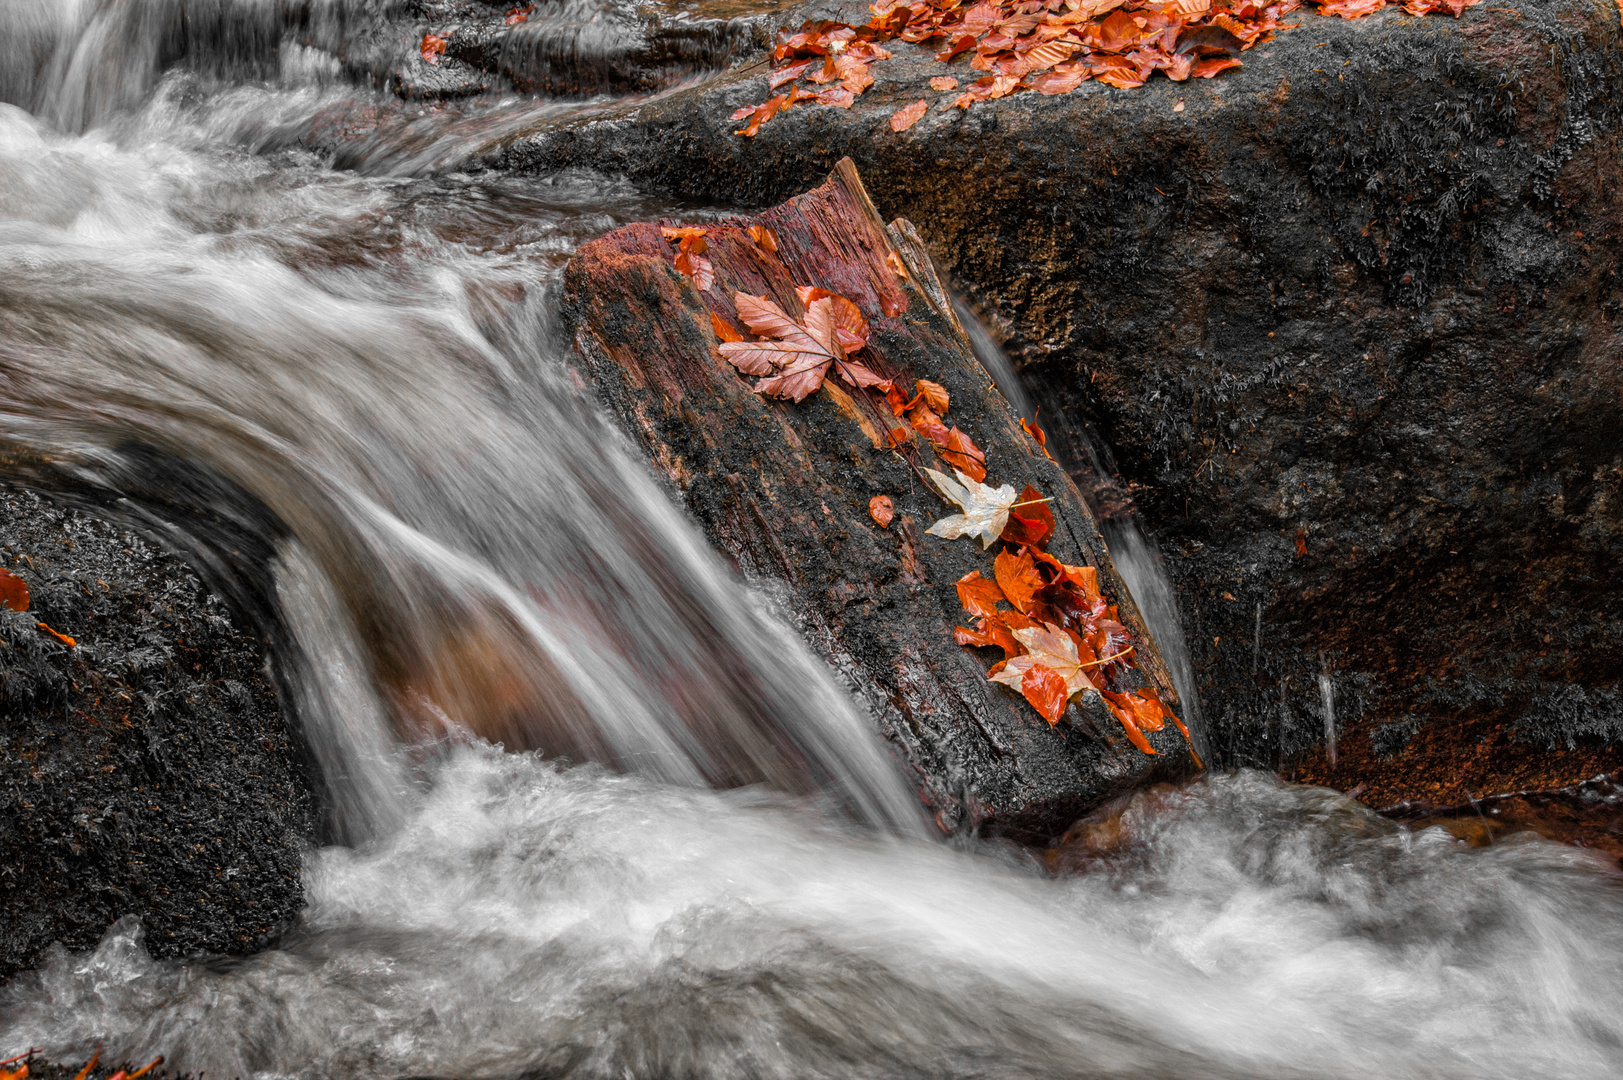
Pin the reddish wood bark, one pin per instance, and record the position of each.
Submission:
(783, 490)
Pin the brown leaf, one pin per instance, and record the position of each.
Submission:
(787, 74)
(1301, 542)
(959, 451)
(904, 118)
(979, 596)
(797, 362)
(943, 82)
(683, 232)
(763, 237)
(894, 261)
(63, 638)
(934, 395)
(1205, 69)
(518, 15)
(432, 48)
(696, 267)
(13, 591)
(1045, 689)
(763, 112)
(839, 97)
(1018, 578)
(882, 510)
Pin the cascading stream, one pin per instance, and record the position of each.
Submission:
(364, 367)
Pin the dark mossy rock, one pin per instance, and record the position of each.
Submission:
(783, 489)
(1364, 290)
(147, 771)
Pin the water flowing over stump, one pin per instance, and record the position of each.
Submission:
(1365, 290)
(783, 490)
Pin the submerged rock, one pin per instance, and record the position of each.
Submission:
(1348, 318)
(146, 771)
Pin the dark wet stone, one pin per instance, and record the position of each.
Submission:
(146, 771)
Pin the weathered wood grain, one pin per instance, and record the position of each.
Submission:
(783, 490)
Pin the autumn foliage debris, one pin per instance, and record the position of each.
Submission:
(1046, 46)
(14, 597)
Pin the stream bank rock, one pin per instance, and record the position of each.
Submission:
(1347, 317)
(146, 771)
(784, 490)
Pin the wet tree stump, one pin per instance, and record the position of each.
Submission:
(783, 490)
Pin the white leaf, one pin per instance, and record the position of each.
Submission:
(986, 509)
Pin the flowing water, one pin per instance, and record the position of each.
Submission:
(361, 365)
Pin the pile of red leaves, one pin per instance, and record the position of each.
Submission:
(923, 412)
(1059, 635)
(1050, 46)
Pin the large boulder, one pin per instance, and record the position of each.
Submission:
(146, 770)
(1348, 318)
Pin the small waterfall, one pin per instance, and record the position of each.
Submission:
(1133, 550)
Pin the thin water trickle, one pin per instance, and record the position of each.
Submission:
(366, 368)
(1327, 705)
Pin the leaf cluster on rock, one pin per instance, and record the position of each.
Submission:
(1046, 46)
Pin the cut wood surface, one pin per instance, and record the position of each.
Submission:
(783, 489)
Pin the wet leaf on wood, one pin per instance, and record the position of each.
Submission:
(978, 595)
(882, 510)
(1030, 524)
(986, 509)
(1018, 578)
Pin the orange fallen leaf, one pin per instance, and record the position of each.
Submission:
(763, 237)
(1128, 719)
(906, 117)
(696, 267)
(943, 82)
(882, 510)
(1037, 433)
(1051, 647)
(1301, 542)
(725, 331)
(978, 595)
(1018, 578)
(63, 638)
(432, 47)
(13, 591)
(516, 16)
(894, 261)
(683, 232)
(1047, 692)
(990, 631)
